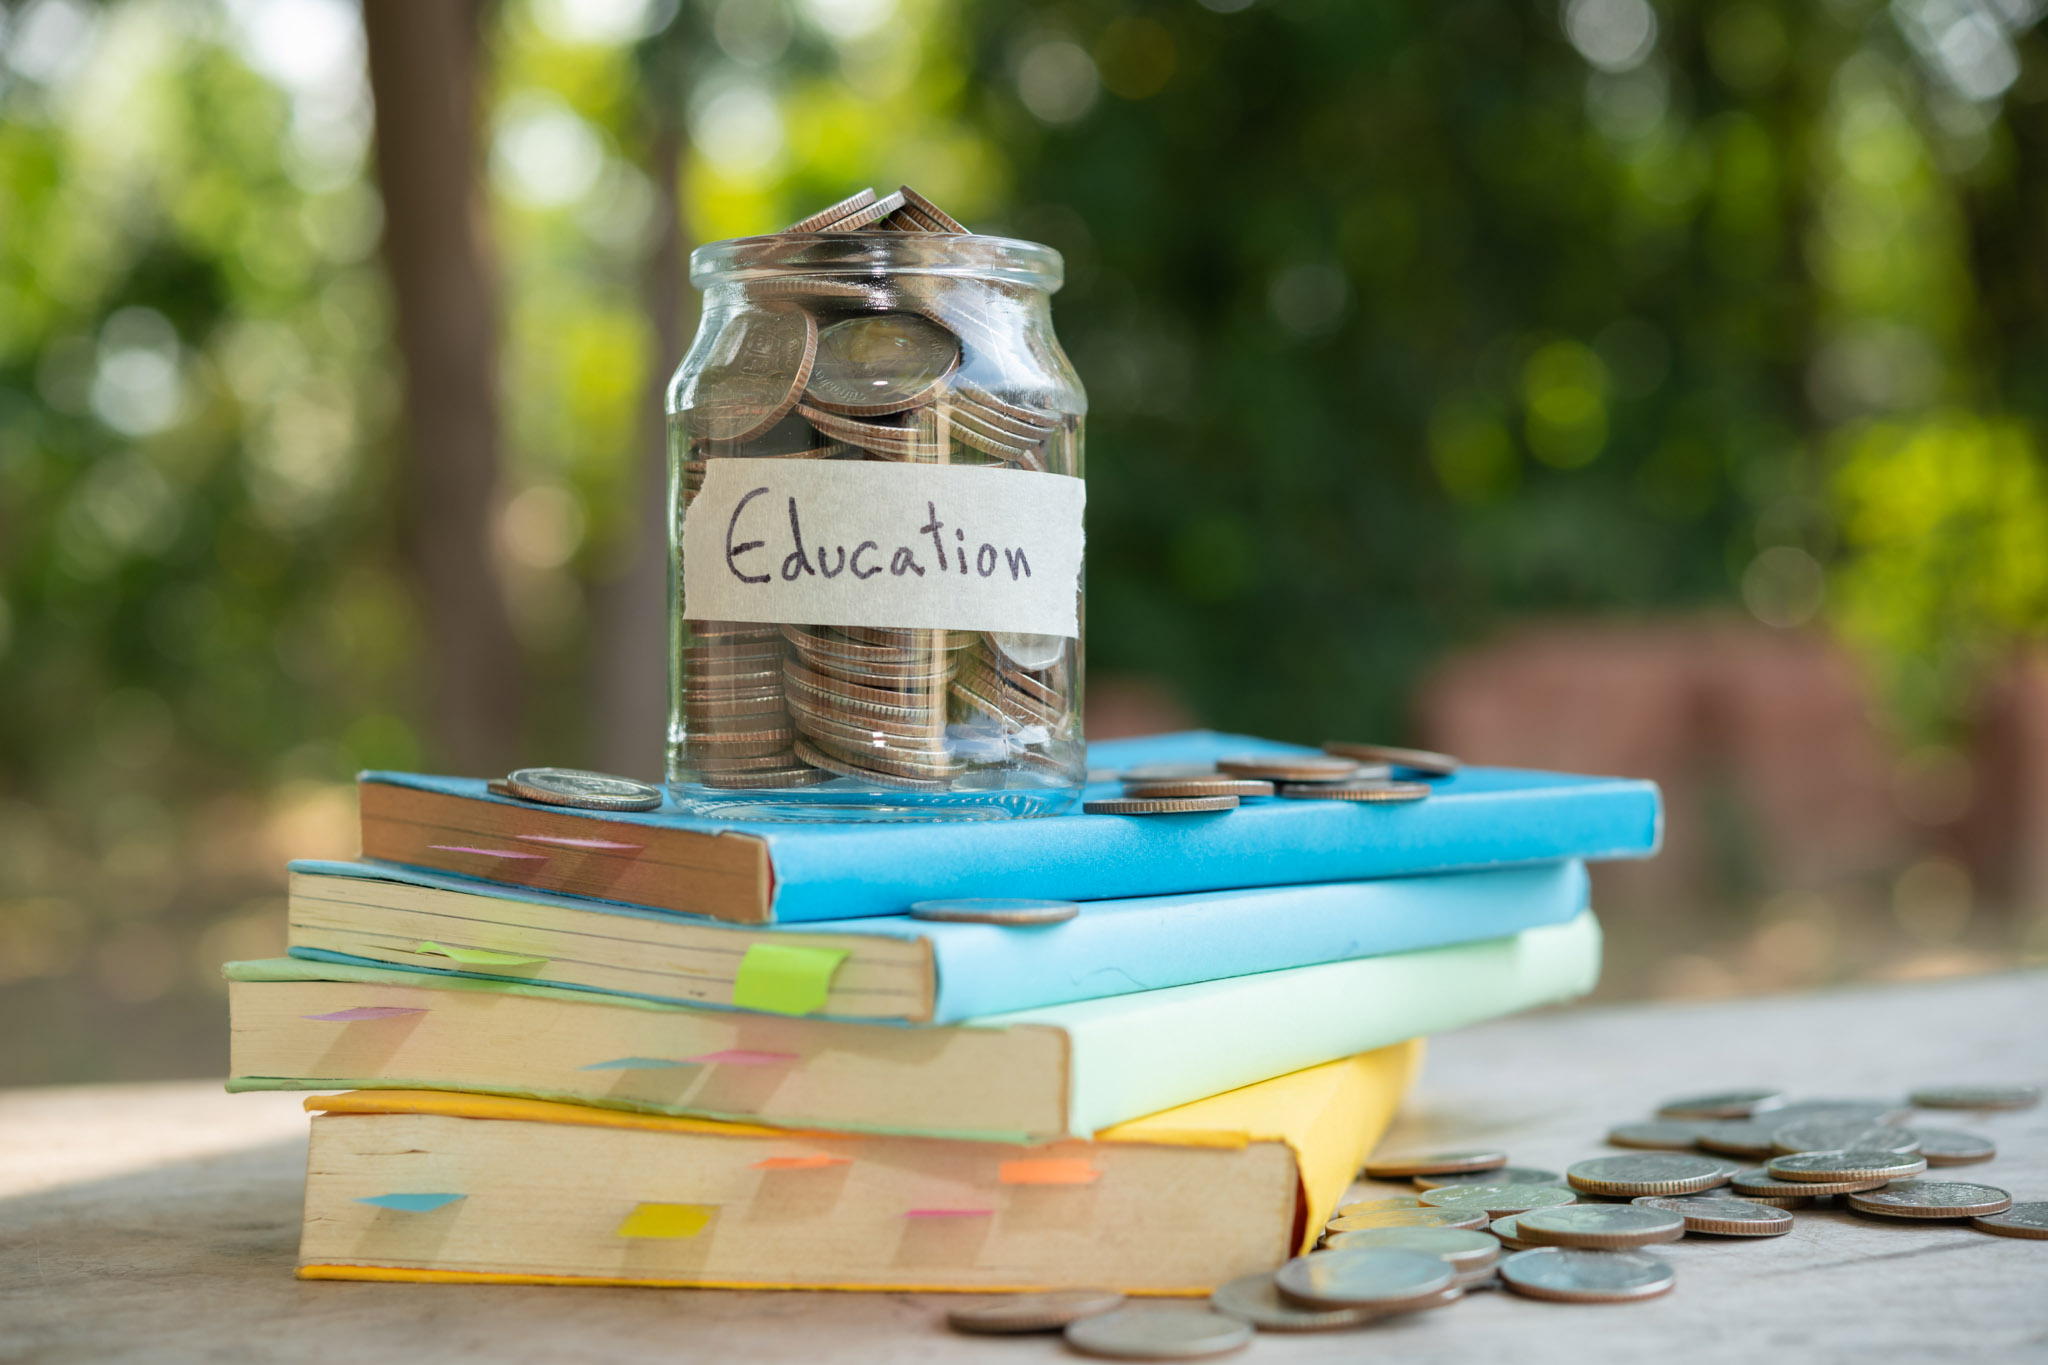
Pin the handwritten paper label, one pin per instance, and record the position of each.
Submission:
(867, 543)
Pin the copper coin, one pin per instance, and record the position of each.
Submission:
(1414, 760)
(1164, 805)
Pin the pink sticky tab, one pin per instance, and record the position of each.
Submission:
(512, 853)
(815, 1161)
(363, 1012)
(739, 1056)
(949, 1213)
(564, 841)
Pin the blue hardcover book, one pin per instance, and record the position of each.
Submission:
(891, 966)
(758, 872)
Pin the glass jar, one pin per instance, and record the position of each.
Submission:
(876, 494)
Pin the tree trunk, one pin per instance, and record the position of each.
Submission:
(423, 60)
(630, 674)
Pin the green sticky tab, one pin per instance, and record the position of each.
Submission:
(481, 957)
(785, 980)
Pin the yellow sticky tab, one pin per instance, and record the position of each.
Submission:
(675, 1221)
(783, 979)
(480, 957)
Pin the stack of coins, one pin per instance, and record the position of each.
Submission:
(903, 369)
(1360, 773)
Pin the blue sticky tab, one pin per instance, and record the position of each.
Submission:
(632, 1064)
(412, 1203)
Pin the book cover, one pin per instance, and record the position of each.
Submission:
(796, 872)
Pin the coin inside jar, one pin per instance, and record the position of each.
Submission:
(1016, 1313)
(756, 376)
(994, 910)
(881, 363)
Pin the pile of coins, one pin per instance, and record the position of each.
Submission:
(1344, 771)
(1576, 1236)
(860, 366)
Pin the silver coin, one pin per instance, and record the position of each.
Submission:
(874, 365)
(1851, 1164)
(1504, 1175)
(839, 210)
(1577, 1276)
(1015, 1313)
(1759, 1183)
(582, 790)
(1978, 1097)
(1166, 772)
(1033, 652)
(1257, 1300)
(1459, 1248)
(1676, 1137)
(1837, 1111)
(1390, 1205)
(862, 218)
(1932, 1199)
(1414, 760)
(1363, 1277)
(1825, 1135)
(763, 361)
(994, 910)
(1508, 1230)
(1158, 1334)
(1360, 793)
(1499, 1201)
(1951, 1147)
(1721, 1215)
(1735, 1137)
(2021, 1220)
(1725, 1104)
(1408, 1218)
(1607, 1226)
(926, 209)
(1647, 1173)
(1434, 1163)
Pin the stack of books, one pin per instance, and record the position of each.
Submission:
(599, 1048)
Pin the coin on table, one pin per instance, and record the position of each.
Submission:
(995, 910)
(879, 363)
(2021, 1220)
(1414, 760)
(1360, 793)
(1380, 1278)
(1821, 1135)
(1978, 1097)
(1032, 1312)
(1932, 1199)
(1408, 1218)
(1776, 1201)
(1165, 772)
(582, 790)
(1460, 1248)
(1608, 1226)
(1508, 1230)
(1837, 1111)
(1952, 1147)
(1851, 1164)
(837, 211)
(1399, 1201)
(1647, 1173)
(1676, 1137)
(1157, 1334)
(1433, 1163)
(1289, 767)
(1722, 1215)
(1574, 1275)
(757, 374)
(1501, 1175)
(1735, 1137)
(1499, 1201)
(1200, 786)
(1160, 805)
(1721, 1104)
(1257, 1300)
(1759, 1183)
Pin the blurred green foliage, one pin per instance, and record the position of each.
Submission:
(1399, 320)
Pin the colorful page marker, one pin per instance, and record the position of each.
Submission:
(785, 980)
(949, 1213)
(517, 855)
(815, 1161)
(481, 957)
(1049, 1171)
(633, 1064)
(363, 1012)
(741, 1056)
(666, 1220)
(565, 841)
(412, 1203)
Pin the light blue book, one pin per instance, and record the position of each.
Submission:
(892, 966)
(760, 872)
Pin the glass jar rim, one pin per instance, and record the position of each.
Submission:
(967, 255)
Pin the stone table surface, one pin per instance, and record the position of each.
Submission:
(159, 1222)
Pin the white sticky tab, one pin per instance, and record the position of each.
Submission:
(869, 543)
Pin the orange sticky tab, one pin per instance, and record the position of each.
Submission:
(669, 1221)
(801, 1163)
(1049, 1171)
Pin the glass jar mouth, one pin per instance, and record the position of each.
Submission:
(968, 256)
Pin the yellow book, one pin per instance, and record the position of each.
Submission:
(439, 1186)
